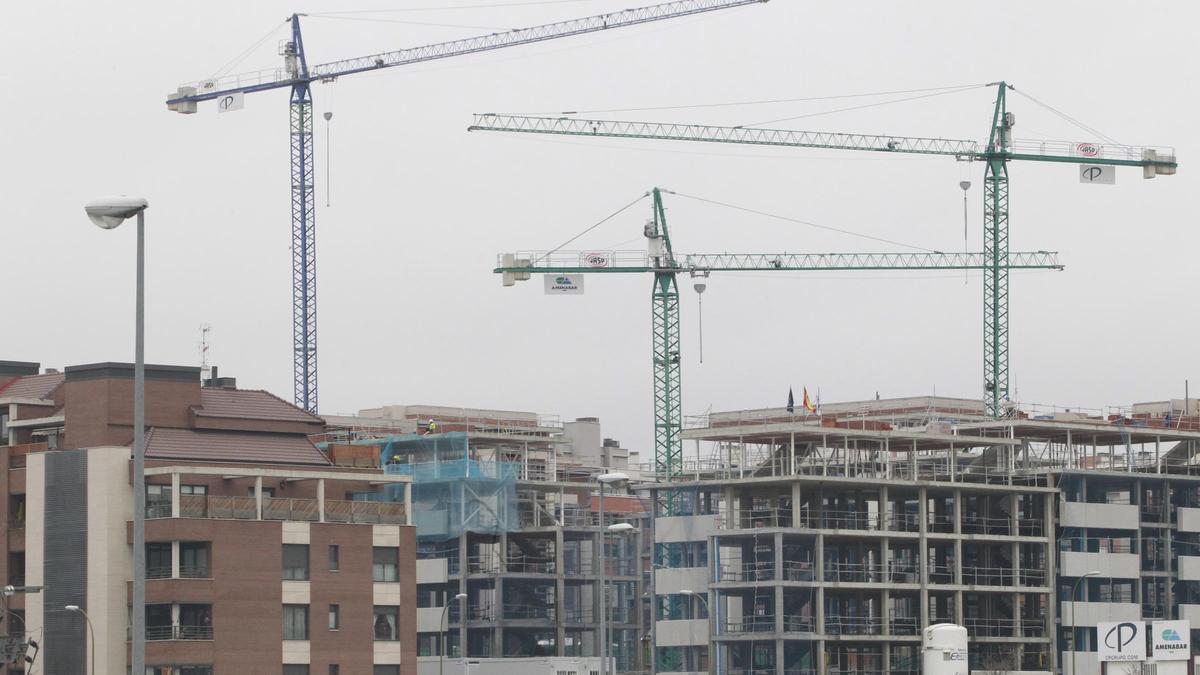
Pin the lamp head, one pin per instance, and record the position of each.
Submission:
(72, 608)
(612, 477)
(461, 596)
(621, 527)
(109, 212)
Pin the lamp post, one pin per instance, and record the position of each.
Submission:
(1074, 591)
(446, 631)
(107, 213)
(605, 479)
(708, 614)
(92, 633)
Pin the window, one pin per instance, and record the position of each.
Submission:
(295, 622)
(427, 644)
(193, 489)
(295, 669)
(195, 622)
(16, 568)
(158, 560)
(386, 670)
(334, 669)
(193, 559)
(334, 617)
(386, 564)
(267, 492)
(334, 558)
(158, 501)
(387, 622)
(295, 562)
(179, 670)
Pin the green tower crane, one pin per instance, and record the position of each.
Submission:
(999, 150)
(661, 260)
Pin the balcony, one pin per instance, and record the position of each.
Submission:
(528, 612)
(225, 507)
(748, 571)
(853, 572)
(799, 624)
(214, 506)
(179, 633)
(988, 576)
(377, 513)
(905, 625)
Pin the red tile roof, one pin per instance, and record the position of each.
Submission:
(32, 386)
(250, 404)
(231, 446)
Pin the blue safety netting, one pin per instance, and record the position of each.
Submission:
(452, 493)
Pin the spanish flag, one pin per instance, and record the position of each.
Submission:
(808, 404)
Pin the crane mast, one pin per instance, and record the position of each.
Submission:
(660, 260)
(297, 76)
(999, 150)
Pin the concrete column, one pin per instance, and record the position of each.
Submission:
(175, 486)
(923, 530)
(174, 559)
(779, 594)
(1049, 536)
(258, 497)
(560, 592)
(321, 500)
(797, 511)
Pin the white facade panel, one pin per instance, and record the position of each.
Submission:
(1190, 613)
(684, 528)
(387, 653)
(296, 651)
(110, 508)
(1086, 663)
(433, 571)
(672, 581)
(1107, 516)
(1189, 519)
(296, 593)
(1189, 568)
(1092, 613)
(295, 532)
(681, 632)
(1109, 565)
(387, 593)
(385, 535)
(429, 619)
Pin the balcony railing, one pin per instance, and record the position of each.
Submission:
(377, 513)
(799, 570)
(987, 627)
(284, 508)
(799, 624)
(158, 572)
(523, 611)
(224, 507)
(749, 624)
(179, 632)
(988, 576)
(748, 571)
(853, 625)
(905, 625)
(972, 524)
(195, 572)
(903, 572)
(528, 566)
(853, 571)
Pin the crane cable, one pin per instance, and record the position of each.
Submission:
(802, 222)
(525, 3)
(867, 105)
(244, 54)
(1070, 119)
(607, 218)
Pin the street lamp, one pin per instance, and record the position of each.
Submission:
(1074, 591)
(605, 479)
(704, 601)
(107, 213)
(446, 631)
(78, 610)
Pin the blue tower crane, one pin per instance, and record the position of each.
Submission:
(299, 78)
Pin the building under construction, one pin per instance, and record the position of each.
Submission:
(507, 516)
(801, 543)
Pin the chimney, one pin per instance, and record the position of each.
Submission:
(216, 382)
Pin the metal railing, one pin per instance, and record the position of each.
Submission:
(217, 506)
(853, 625)
(377, 513)
(974, 524)
(529, 566)
(991, 627)
(988, 576)
(179, 632)
(941, 574)
(158, 509)
(158, 572)
(749, 624)
(287, 508)
(799, 624)
(195, 572)
(1095, 545)
(799, 570)
(523, 611)
(904, 572)
(905, 625)
(853, 571)
(748, 571)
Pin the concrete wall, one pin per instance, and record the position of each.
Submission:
(1110, 565)
(432, 571)
(1105, 516)
(1092, 613)
(684, 528)
(681, 632)
(429, 665)
(671, 581)
(1189, 519)
(110, 507)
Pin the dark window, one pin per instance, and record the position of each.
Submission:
(158, 560)
(16, 568)
(295, 622)
(386, 563)
(427, 644)
(158, 622)
(193, 559)
(295, 562)
(387, 623)
(16, 506)
(335, 619)
(295, 669)
(267, 492)
(193, 489)
(195, 622)
(386, 670)
(334, 669)
(334, 558)
(158, 501)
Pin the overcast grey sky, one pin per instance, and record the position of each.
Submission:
(409, 310)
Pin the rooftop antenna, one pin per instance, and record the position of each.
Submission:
(205, 369)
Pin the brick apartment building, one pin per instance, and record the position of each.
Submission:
(262, 555)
